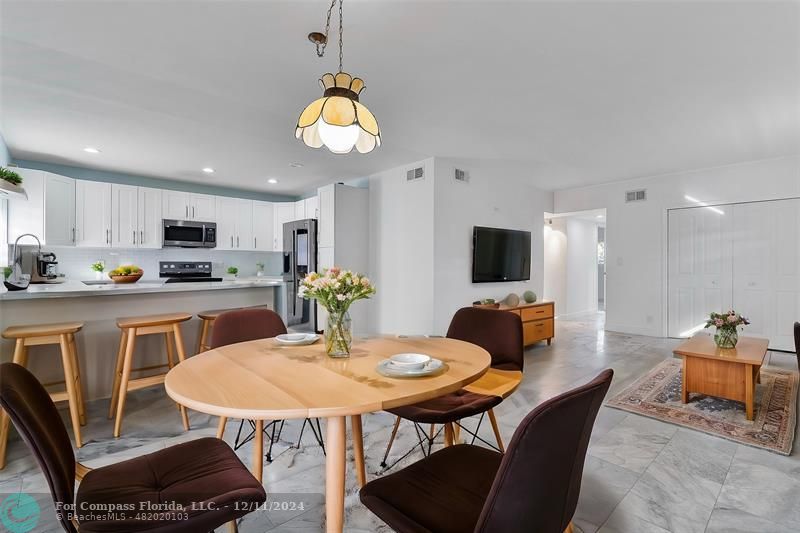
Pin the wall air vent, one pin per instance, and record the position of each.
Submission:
(415, 174)
(636, 196)
(461, 175)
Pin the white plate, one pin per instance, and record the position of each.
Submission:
(415, 361)
(386, 368)
(296, 339)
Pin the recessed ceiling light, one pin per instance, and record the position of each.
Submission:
(599, 216)
(272, 181)
(208, 170)
(91, 150)
(295, 164)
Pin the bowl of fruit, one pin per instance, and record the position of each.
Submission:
(126, 274)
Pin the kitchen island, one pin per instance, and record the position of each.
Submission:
(98, 307)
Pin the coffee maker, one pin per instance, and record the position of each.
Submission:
(44, 268)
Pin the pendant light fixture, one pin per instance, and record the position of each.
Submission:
(337, 120)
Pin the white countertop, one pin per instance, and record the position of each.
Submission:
(73, 288)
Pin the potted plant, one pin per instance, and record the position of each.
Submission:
(259, 269)
(336, 290)
(10, 176)
(726, 324)
(7, 272)
(98, 267)
(233, 271)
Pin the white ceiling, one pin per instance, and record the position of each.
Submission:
(573, 93)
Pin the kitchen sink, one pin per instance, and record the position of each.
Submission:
(98, 282)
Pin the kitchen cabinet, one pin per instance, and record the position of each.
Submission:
(149, 218)
(263, 226)
(178, 205)
(311, 207)
(136, 217)
(92, 213)
(284, 212)
(234, 223)
(325, 225)
(48, 212)
(299, 210)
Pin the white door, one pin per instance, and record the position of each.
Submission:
(311, 207)
(59, 210)
(786, 281)
(202, 207)
(700, 277)
(93, 214)
(151, 228)
(175, 205)
(124, 213)
(226, 222)
(263, 222)
(244, 225)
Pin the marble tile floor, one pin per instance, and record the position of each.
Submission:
(641, 475)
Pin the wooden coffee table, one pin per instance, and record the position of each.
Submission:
(724, 373)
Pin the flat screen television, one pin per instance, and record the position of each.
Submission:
(500, 255)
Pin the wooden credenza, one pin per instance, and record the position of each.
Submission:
(537, 320)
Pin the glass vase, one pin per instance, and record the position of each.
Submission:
(339, 334)
(726, 338)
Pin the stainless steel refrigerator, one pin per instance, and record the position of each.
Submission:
(299, 258)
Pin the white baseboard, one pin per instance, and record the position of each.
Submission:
(633, 330)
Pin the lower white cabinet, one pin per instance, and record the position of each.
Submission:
(92, 214)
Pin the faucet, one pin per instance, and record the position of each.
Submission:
(16, 259)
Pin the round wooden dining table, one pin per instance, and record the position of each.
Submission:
(262, 380)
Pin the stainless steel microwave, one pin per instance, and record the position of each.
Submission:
(189, 234)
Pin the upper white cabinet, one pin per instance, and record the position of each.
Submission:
(263, 226)
(325, 226)
(49, 211)
(177, 205)
(311, 207)
(284, 212)
(299, 210)
(234, 224)
(136, 217)
(92, 213)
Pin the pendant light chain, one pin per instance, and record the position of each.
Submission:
(321, 46)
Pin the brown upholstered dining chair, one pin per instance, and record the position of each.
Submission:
(242, 325)
(533, 487)
(498, 333)
(203, 472)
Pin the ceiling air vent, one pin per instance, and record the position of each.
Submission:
(415, 174)
(636, 196)
(461, 175)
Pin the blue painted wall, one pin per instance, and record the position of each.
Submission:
(143, 181)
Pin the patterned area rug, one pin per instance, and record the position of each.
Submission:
(658, 395)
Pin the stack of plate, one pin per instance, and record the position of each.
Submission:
(409, 365)
(296, 339)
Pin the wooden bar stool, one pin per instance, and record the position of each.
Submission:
(62, 334)
(208, 318)
(132, 327)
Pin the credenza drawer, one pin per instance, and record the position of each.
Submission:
(537, 330)
(537, 313)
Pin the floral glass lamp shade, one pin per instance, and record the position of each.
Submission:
(338, 120)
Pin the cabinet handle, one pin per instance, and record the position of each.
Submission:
(231, 241)
(237, 241)
(192, 211)
(134, 236)
(255, 242)
(141, 236)
(187, 210)
(73, 234)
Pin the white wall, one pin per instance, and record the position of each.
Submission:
(401, 251)
(555, 263)
(495, 197)
(581, 267)
(636, 250)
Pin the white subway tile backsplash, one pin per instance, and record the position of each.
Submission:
(75, 262)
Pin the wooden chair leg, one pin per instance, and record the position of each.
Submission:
(202, 340)
(176, 330)
(170, 349)
(69, 375)
(496, 430)
(232, 527)
(221, 427)
(448, 434)
(76, 367)
(570, 528)
(126, 374)
(123, 339)
(456, 434)
(5, 422)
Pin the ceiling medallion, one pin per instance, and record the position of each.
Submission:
(337, 120)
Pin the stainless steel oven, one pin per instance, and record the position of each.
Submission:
(189, 234)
